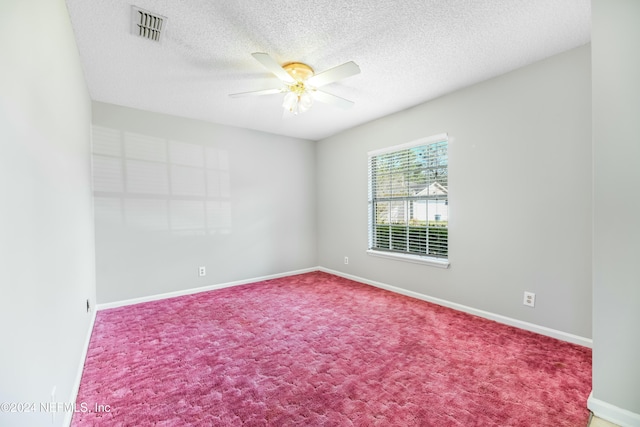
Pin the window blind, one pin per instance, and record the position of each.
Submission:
(409, 198)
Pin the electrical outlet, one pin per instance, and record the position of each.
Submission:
(529, 299)
(202, 271)
(346, 260)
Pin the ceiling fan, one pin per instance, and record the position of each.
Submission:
(300, 83)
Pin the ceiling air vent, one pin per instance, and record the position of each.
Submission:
(147, 24)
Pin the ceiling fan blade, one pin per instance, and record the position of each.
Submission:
(270, 64)
(340, 72)
(256, 92)
(328, 98)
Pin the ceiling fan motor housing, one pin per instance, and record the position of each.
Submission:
(299, 71)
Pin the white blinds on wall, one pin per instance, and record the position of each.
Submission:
(408, 198)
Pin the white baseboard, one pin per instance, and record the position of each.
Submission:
(200, 289)
(76, 385)
(612, 413)
(542, 330)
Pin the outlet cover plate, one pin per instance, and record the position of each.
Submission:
(529, 299)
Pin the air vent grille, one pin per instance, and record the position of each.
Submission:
(147, 24)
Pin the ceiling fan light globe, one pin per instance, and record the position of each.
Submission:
(290, 102)
(304, 102)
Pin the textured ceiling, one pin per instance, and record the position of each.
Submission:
(408, 51)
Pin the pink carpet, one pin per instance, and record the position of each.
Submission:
(320, 350)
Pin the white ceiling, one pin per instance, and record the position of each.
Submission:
(409, 51)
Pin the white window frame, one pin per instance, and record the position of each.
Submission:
(441, 262)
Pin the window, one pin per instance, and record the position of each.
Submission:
(409, 201)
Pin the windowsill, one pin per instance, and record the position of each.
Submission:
(434, 262)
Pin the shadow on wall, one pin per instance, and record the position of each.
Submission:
(153, 184)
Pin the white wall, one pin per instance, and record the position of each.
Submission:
(174, 194)
(519, 194)
(616, 238)
(46, 220)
